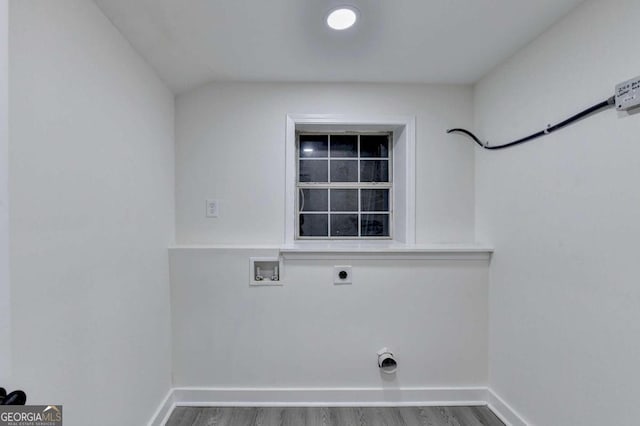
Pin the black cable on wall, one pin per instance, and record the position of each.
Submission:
(550, 129)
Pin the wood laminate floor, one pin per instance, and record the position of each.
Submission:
(337, 416)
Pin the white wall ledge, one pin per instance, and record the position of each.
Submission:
(386, 250)
(225, 247)
(371, 250)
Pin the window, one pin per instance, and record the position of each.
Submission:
(349, 177)
(344, 185)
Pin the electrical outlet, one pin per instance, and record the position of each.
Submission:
(628, 95)
(212, 208)
(342, 275)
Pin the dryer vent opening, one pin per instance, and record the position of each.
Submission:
(386, 361)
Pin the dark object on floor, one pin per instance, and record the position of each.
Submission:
(335, 416)
(17, 397)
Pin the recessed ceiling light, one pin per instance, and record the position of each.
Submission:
(342, 18)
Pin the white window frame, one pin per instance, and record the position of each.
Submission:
(403, 167)
(345, 185)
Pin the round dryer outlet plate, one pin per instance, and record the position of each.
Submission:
(342, 274)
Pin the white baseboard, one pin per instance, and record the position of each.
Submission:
(342, 397)
(504, 411)
(310, 397)
(164, 410)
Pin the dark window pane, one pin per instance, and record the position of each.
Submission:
(374, 171)
(344, 145)
(374, 200)
(313, 200)
(314, 146)
(344, 225)
(374, 225)
(344, 171)
(344, 200)
(374, 146)
(314, 225)
(313, 171)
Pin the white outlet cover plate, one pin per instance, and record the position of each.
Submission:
(336, 274)
(212, 208)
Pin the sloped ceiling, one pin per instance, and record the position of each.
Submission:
(191, 42)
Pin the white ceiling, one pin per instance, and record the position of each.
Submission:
(191, 42)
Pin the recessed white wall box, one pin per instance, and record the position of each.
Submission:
(628, 95)
(342, 275)
(212, 208)
(265, 271)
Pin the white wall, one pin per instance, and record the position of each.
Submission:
(563, 215)
(5, 307)
(91, 183)
(310, 333)
(231, 144)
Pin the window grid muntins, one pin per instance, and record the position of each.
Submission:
(336, 154)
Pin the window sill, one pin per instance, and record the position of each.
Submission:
(371, 250)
